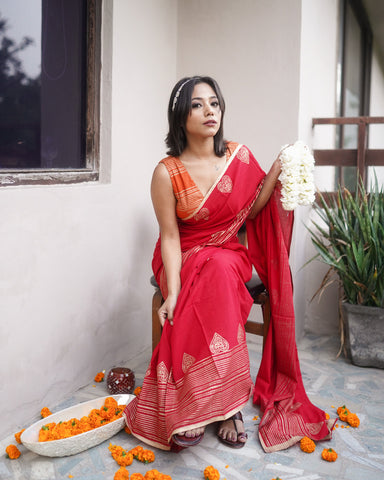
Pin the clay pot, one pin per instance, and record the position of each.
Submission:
(120, 380)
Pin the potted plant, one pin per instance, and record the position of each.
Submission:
(350, 239)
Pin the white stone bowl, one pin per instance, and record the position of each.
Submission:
(77, 443)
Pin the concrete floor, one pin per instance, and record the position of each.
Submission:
(328, 381)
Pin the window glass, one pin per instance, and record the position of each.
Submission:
(43, 84)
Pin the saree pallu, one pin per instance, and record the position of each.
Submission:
(288, 413)
(199, 372)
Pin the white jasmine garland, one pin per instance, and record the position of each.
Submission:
(297, 164)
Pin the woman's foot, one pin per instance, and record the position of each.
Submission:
(189, 438)
(231, 431)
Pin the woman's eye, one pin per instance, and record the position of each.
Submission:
(215, 104)
(196, 105)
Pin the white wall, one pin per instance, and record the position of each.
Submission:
(318, 80)
(74, 276)
(255, 68)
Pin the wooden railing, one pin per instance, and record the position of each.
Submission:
(361, 157)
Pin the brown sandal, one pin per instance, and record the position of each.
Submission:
(183, 441)
(244, 435)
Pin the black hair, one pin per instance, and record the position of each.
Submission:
(178, 110)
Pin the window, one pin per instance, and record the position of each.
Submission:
(355, 58)
(49, 91)
(351, 154)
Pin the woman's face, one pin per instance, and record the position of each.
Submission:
(205, 116)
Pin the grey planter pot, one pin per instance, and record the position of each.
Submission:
(365, 334)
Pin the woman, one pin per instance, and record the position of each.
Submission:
(202, 193)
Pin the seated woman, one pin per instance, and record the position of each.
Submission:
(202, 193)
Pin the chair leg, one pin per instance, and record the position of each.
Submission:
(157, 301)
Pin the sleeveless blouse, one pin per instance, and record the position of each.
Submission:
(187, 193)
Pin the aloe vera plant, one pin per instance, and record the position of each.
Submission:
(350, 239)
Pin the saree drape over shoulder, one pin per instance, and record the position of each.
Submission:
(199, 372)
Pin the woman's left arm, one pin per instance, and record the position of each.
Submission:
(269, 184)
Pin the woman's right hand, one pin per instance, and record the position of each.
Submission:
(166, 310)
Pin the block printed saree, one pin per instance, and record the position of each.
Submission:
(199, 372)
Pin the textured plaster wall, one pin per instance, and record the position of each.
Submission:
(75, 268)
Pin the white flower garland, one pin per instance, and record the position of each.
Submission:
(297, 164)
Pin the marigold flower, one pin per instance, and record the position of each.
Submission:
(109, 412)
(12, 452)
(152, 475)
(18, 435)
(329, 455)
(353, 420)
(341, 409)
(45, 412)
(146, 456)
(343, 415)
(137, 391)
(137, 476)
(307, 445)
(127, 429)
(99, 377)
(210, 473)
(122, 474)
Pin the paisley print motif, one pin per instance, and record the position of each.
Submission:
(202, 214)
(218, 344)
(188, 361)
(240, 334)
(225, 185)
(162, 373)
(243, 155)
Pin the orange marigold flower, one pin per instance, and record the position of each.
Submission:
(135, 451)
(210, 473)
(127, 429)
(12, 452)
(45, 412)
(146, 456)
(329, 455)
(164, 477)
(99, 377)
(353, 420)
(327, 416)
(341, 409)
(121, 474)
(121, 456)
(137, 391)
(18, 435)
(152, 475)
(137, 476)
(343, 415)
(307, 445)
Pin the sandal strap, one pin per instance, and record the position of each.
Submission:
(237, 416)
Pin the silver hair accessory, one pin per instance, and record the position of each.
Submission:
(177, 94)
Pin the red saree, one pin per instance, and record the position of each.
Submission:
(199, 372)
